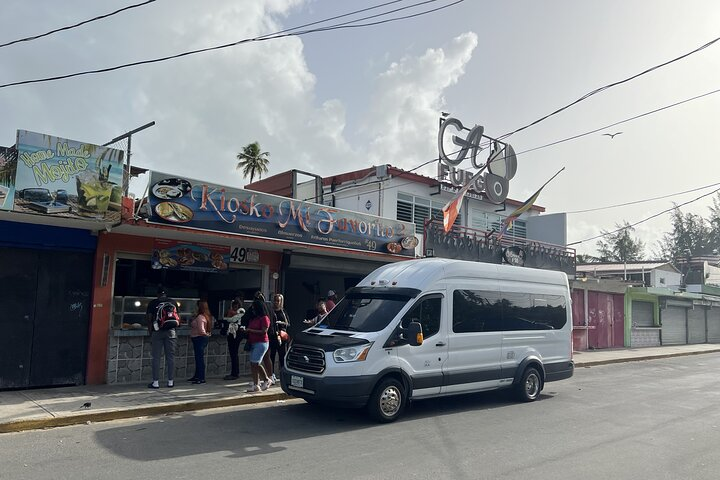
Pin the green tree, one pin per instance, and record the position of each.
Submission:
(252, 160)
(619, 246)
(691, 235)
(584, 258)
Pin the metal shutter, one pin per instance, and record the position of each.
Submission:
(713, 325)
(696, 325)
(674, 328)
(642, 314)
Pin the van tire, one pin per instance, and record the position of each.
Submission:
(387, 401)
(530, 385)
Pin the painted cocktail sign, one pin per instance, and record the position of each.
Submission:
(501, 164)
(189, 203)
(198, 257)
(67, 178)
(8, 167)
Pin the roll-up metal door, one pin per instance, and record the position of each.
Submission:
(642, 314)
(713, 325)
(696, 325)
(674, 327)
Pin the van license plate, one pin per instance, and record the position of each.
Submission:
(296, 381)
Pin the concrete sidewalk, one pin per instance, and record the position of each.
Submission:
(54, 407)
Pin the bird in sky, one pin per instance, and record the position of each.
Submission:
(612, 135)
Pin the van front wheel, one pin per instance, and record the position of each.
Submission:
(387, 401)
(528, 390)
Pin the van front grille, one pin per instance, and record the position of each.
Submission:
(306, 359)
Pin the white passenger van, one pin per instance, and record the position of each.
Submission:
(426, 328)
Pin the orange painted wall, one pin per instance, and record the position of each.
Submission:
(110, 244)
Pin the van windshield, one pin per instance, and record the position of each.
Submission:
(363, 312)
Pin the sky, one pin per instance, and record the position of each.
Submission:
(335, 101)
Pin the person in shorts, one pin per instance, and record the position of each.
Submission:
(257, 330)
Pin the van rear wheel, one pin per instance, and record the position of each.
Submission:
(528, 390)
(387, 401)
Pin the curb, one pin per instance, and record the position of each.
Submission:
(609, 361)
(63, 421)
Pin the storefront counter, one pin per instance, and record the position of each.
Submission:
(130, 357)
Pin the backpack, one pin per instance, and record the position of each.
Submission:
(167, 317)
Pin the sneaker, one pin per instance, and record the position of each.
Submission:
(274, 379)
(265, 385)
(153, 385)
(198, 382)
(230, 377)
(191, 379)
(253, 389)
(170, 384)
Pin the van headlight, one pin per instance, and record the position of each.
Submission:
(352, 354)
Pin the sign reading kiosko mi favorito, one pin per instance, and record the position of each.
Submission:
(183, 202)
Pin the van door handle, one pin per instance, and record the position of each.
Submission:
(440, 344)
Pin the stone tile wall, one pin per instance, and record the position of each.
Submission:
(130, 359)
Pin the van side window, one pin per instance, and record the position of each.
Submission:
(427, 311)
(481, 311)
(476, 311)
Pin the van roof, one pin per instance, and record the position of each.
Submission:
(424, 272)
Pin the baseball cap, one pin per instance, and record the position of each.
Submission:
(331, 293)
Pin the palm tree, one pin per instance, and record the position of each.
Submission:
(252, 161)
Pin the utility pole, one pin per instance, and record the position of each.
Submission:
(128, 135)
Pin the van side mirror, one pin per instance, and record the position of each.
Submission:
(413, 334)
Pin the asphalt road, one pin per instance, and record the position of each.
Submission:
(655, 419)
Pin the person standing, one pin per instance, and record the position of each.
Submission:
(331, 300)
(282, 322)
(200, 329)
(258, 337)
(321, 314)
(234, 337)
(161, 341)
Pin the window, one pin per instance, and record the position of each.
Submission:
(427, 311)
(417, 210)
(476, 311)
(481, 311)
(482, 220)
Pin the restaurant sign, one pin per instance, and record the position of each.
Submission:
(183, 202)
(66, 178)
(198, 257)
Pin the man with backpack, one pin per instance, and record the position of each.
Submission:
(162, 320)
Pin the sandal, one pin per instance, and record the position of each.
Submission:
(253, 389)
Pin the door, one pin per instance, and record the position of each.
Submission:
(697, 331)
(475, 341)
(425, 361)
(62, 317)
(618, 336)
(674, 326)
(713, 324)
(46, 298)
(18, 277)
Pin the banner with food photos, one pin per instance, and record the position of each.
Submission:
(198, 257)
(188, 203)
(66, 178)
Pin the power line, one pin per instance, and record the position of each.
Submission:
(272, 36)
(643, 201)
(645, 219)
(557, 142)
(603, 88)
(69, 27)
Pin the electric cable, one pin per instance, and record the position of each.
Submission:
(643, 201)
(70, 27)
(605, 87)
(273, 36)
(645, 219)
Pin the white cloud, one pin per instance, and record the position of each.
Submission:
(402, 122)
